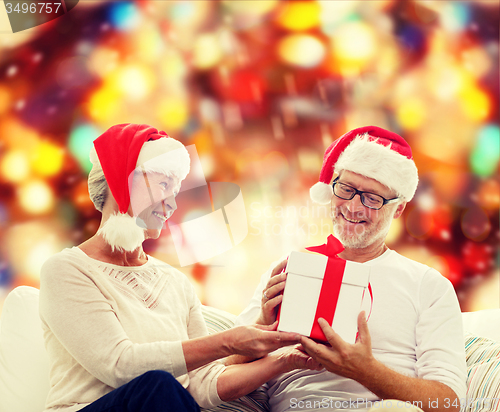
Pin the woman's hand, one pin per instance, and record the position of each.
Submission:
(272, 295)
(258, 340)
(297, 358)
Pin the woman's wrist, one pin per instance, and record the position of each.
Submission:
(227, 342)
(282, 362)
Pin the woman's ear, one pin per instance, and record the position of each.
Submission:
(399, 210)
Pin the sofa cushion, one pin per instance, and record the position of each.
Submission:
(483, 374)
(217, 320)
(258, 401)
(24, 366)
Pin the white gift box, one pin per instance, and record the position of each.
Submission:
(301, 296)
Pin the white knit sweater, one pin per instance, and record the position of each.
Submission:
(106, 324)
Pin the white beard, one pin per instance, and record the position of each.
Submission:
(121, 231)
(368, 234)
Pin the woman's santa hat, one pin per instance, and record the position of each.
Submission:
(372, 152)
(121, 150)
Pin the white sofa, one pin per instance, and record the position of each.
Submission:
(24, 364)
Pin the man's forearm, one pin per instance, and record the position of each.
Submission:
(431, 396)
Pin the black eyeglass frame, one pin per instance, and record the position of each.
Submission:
(361, 195)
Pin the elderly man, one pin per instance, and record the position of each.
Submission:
(411, 348)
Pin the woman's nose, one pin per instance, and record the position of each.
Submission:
(170, 203)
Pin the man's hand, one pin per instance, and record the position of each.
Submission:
(272, 295)
(341, 357)
(257, 340)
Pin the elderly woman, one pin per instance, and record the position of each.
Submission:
(123, 330)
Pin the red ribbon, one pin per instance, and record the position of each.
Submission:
(330, 288)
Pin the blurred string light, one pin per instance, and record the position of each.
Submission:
(474, 102)
(135, 81)
(173, 112)
(182, 11)
(449, 266)
(395, 231)
(476, 61)
(47, 159)
(488, 195)
(484, 159)
(245, 14)
(354, 46)
(29, 245)
(81, 198)
(103, 60)
(485, 294)
(16, 135)
(80, 142)
(36, 197)
(258, 7)
(173, 68)
(132, 82)
(104, 104)
(475, 224)
(6, 274)
(454, 16)
(477, 257)
(334, 12)
(147, 44)
(299, 15)
(15, 166)
(411, 113)
(445, 78)
(207, 51)
(5, 99)
(124, 15)
(301, 50)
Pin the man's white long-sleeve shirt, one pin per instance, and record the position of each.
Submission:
(415, 327)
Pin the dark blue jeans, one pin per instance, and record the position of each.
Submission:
(154, 391)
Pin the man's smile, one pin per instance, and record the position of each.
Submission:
(352, 220)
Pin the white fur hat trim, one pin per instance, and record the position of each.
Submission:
(121, 231)
(321, 193)
(167, 156)
(379, 162)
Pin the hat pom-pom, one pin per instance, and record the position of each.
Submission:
(122, 232)
(321, 193)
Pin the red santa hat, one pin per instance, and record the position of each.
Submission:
(120, 150)
(372, 152)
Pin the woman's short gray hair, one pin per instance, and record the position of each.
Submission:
(98, 186)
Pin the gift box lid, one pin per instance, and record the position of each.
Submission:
(314, 266)
(307, 264)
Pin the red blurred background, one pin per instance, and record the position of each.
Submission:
(261, 88)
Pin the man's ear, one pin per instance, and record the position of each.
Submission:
(399, 210)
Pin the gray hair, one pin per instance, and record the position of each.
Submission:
(98, 186)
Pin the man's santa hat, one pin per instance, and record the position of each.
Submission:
(121, 150)
(371, 152)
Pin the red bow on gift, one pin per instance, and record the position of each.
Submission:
(330, 287)
(331, 248)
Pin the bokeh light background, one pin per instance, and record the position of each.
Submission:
(261, 88)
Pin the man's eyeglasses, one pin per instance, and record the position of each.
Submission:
(370, 200)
